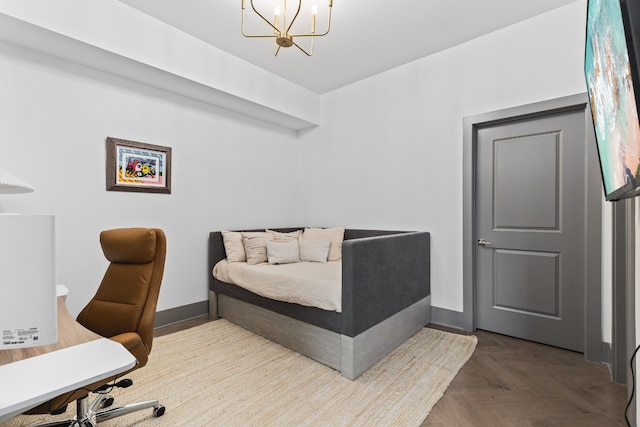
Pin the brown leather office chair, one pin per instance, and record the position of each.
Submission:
(123, 309)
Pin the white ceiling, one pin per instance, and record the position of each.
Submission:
(367, 36)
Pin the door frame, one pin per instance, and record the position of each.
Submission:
(624, 295)
(594, 195)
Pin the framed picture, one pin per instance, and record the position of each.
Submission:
(135, 166)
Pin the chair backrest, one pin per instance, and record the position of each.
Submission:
(128, 294)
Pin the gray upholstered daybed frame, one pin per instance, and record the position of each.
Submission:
(386, 299)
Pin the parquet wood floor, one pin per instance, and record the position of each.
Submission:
(516, 383)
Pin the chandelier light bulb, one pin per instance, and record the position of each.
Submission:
(314, 9)
(276, 11)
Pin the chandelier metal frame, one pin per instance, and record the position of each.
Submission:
(282, 36)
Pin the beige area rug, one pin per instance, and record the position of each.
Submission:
(218, 374)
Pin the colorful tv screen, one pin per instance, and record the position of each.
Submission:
(610, 73)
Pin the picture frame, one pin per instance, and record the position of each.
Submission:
(137, 166)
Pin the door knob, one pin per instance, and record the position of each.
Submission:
(482, 242)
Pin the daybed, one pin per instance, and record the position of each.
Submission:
(386, 299)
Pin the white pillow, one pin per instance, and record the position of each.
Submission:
(335, 234)
(233, 246)
(255, 246)
(314, 250)
(282, 252)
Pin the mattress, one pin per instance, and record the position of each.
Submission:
(311, 284)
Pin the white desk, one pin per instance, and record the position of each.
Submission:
(34, 375)
(29, 382)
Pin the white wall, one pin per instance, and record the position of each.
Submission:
(228, 171)
(389, 150)
(637, 301)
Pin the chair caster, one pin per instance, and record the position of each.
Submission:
(108, 401)
(158, 411)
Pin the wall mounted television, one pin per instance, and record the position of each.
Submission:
(612, 71)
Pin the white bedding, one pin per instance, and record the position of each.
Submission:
(312, 284)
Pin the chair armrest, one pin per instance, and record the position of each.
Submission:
(133, 342)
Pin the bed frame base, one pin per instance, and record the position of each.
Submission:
(352, 356)
(364, 350)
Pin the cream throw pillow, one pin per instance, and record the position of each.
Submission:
(233, 246)
(278, 236)
(335, 234)
(282, 252)
(314, 250)
(255, 246)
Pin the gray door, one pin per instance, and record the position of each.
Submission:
(530, 224)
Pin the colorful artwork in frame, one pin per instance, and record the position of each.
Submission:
(136, 166)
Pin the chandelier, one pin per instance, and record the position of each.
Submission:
(282, 27)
